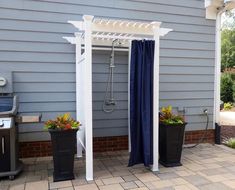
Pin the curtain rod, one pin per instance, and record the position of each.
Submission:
(124, 49)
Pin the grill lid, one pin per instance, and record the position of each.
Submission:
(8, 105)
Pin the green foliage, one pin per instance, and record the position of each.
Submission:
(233, 76)
(62, 122)
(228, 19)
(233, 90)
(228, 40)
(228, 48)
(228, 106)
(168, 118)
(226, 88)
(230, 142)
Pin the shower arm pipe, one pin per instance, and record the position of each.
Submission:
(111, 67)
(109, 86)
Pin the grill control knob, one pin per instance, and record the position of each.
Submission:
(2, 124)
(3, 81)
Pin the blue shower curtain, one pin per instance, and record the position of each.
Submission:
(141, 102)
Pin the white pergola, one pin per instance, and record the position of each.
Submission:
(98, 33)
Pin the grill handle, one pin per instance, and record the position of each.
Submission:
(3, 145)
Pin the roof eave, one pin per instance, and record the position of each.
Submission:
(214, 6)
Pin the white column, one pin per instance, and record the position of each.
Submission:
(88, 96)
(156, 31)
(79, 94)
(129, 115)
(217, 70)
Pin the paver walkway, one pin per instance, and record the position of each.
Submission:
(206, 167)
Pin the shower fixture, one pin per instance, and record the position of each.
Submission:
(109, 100)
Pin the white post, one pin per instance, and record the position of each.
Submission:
(156, 30)
(129, 116)
(79, 94)
(217, 70)
(88, 96)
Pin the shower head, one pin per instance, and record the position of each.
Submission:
(114, 41)
(117, 42)
(112, 53)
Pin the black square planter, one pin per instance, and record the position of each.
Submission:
(170, 144)
(63, 149)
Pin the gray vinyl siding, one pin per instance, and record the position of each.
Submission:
(42, 62)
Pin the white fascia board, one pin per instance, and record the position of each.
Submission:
(211, 13)
(212, 8)
(230, 4)
(215, 3)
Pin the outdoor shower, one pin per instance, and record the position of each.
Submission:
(109, 100)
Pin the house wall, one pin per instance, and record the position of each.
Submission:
(31, 46)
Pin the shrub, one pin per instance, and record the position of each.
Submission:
(230, 142)
(228, 106)
(226, 88)
(233, 76)
(233, 90)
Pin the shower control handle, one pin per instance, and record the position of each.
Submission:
(3, 145)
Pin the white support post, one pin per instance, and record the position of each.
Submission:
(217, 70)
(88, 96)
(78, 91)
(79, 94)
(156, 30)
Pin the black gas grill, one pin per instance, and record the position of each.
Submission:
(9, 162)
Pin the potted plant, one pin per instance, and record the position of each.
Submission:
(63, 136)
(171, 136)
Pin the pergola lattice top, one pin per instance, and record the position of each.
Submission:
(124, 30)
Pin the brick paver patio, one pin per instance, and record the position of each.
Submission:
(206, 167)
